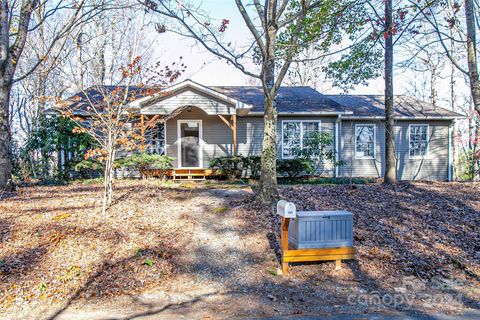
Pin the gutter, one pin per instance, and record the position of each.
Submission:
(399, 118)
(450, 166)
(337, 143)
(319, 113)
(348, 115)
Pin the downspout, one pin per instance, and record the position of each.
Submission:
(337, 144)
(450, 168)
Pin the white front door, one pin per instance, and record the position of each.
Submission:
(189, 143)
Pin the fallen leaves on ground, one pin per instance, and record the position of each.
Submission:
(56, 246)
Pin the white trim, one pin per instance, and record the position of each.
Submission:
(374, 140)
(303, 113)
(450, 167)
(189, 83)
(200, 143)
(428, 141)
(319, 122)
(423, 118)
(337, 143)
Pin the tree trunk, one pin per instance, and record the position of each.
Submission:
(5, 135)
(473, 72)
(390, 176)
(267, 192)
(268, 179)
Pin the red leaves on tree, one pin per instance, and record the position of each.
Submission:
(402, 14)
(451, 22)
(132, 68)
(224, 25)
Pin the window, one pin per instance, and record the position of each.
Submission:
(294, 135)
(418, 140)
(156, 139)
(364, 141)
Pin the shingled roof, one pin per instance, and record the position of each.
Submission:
(405, 107)
(289, 99)
(306, 100)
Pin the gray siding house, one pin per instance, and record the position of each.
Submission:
(195, 123)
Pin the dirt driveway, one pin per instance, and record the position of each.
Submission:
(203, 251)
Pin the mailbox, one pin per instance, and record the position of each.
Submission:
(286, 209)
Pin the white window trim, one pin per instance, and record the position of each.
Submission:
(428, 141)
(374, 140)
(200, 143)
(164, 133)
(319, 122)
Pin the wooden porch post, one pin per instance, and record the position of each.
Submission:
(142, 132)
(234, 129)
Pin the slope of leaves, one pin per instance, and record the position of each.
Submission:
(56, 245)
(56, 248)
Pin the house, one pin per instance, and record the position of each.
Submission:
(196, 123)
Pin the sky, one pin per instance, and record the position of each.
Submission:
(207, 69)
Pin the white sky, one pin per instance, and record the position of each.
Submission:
(207, 69)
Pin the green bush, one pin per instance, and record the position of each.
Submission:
(231, 166)
(86, 168)
(143, 162)
(253, 163)
(292, 168)
(317, 149)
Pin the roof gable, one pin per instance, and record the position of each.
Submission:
(167, 104)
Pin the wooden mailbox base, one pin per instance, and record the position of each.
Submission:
(306, 255)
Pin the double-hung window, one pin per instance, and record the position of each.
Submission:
(418, 140)
(295, 133)
(156, 139)
(364, 141)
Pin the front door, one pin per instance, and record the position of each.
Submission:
(190, 134)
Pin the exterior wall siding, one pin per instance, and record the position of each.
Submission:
(189, 97)
(353, 167)
(250, 135)
(217, 141)
(432, 167)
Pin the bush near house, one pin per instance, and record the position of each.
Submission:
(253, 164)
(144, 162)
(231, 166)
(292, 168)
(88, 168)
(317, 150)
(234, 166)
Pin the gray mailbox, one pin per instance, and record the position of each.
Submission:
(321, 229)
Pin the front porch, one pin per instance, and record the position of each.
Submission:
(192, 124)
(186, 174)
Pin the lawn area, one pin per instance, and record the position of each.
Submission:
(207, 250)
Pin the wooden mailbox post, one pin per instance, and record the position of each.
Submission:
(287, 212)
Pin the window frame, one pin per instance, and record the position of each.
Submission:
(318, 122)
(164, 138)
(374, 140)
(427, 149)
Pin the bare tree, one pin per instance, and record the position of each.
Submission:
(446, 22)
(277, 28)
(14, 33)
(104, 116)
